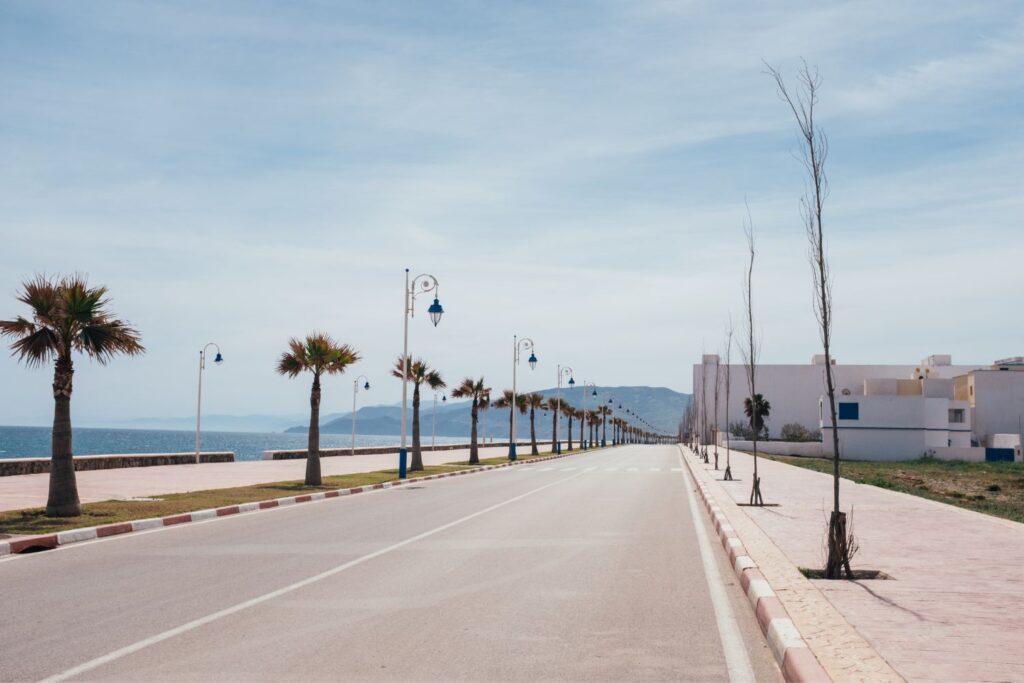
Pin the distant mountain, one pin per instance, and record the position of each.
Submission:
(661, 407)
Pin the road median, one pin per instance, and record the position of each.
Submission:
(31, 531)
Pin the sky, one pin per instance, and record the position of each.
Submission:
(573, 172)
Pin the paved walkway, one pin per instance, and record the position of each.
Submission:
(29, 490)
(954, 609)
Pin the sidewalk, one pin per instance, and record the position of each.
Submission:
(954, 609)
(30, 490)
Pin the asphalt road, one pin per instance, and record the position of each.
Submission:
(586, 568)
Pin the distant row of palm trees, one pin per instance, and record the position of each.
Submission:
(68, 315)
(319, 354)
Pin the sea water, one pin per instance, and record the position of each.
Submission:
(34, 442)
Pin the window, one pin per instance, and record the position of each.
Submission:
(956, 415)
(849, 411)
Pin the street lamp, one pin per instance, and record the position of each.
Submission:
(218, 359)
(558, 401)
(583, 429)
(355, 390)
(427, 283)
(518, 346)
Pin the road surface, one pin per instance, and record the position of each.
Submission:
(592, 567)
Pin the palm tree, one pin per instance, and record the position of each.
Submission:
(757, 418)
(67, 316)
(476, 390)
(558, 405)
(570, 413)
(535, 402)
(593, 417)
(320, 354)
(417, 372)
(506, 402)
(604, 411)
(484, 404)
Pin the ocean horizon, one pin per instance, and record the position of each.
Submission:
(34, 442)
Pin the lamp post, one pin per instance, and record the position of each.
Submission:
(583, 430)
(433, 422)
(558, 401)
(218, 359)
(427, 283)
(518, 346)
(355, 390)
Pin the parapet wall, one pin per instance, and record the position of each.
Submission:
(806, 449)
(14, 466)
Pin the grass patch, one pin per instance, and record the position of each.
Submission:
(34, 520)
(994, 488)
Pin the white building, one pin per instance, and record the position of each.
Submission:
(996, 398)
(885, 412)
(794, 390)
(899, 419)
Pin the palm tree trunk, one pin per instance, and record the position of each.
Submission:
(570, 431)
(554, 430)
(62, 500)
(313, 444)
(533, 433)
(417, 453)
(474, 453)
(604, 430)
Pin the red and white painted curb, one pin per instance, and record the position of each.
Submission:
(48, 541)
(796, 660)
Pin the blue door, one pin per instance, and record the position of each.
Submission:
(998, 455)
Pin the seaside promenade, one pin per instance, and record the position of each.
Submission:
(30, 490)
(952, 609)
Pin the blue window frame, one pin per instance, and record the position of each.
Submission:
(849, 411)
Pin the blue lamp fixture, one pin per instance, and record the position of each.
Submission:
(532, 360)
(435, 311)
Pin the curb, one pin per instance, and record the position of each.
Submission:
(796, 660)
(62, 538)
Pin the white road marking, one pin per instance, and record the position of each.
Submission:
(736, 659)
(658, 469)
(266, 597)
(590, 469)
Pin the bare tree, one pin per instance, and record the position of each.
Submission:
(703, 406)
(728, 359)
(814, 152)
(718, 384)
(750, 349)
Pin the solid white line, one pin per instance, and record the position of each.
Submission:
(736, 659)
(228, 611)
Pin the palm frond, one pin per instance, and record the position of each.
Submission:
(37, 347)
(433, 380)
(105, 339)
(465, 389)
